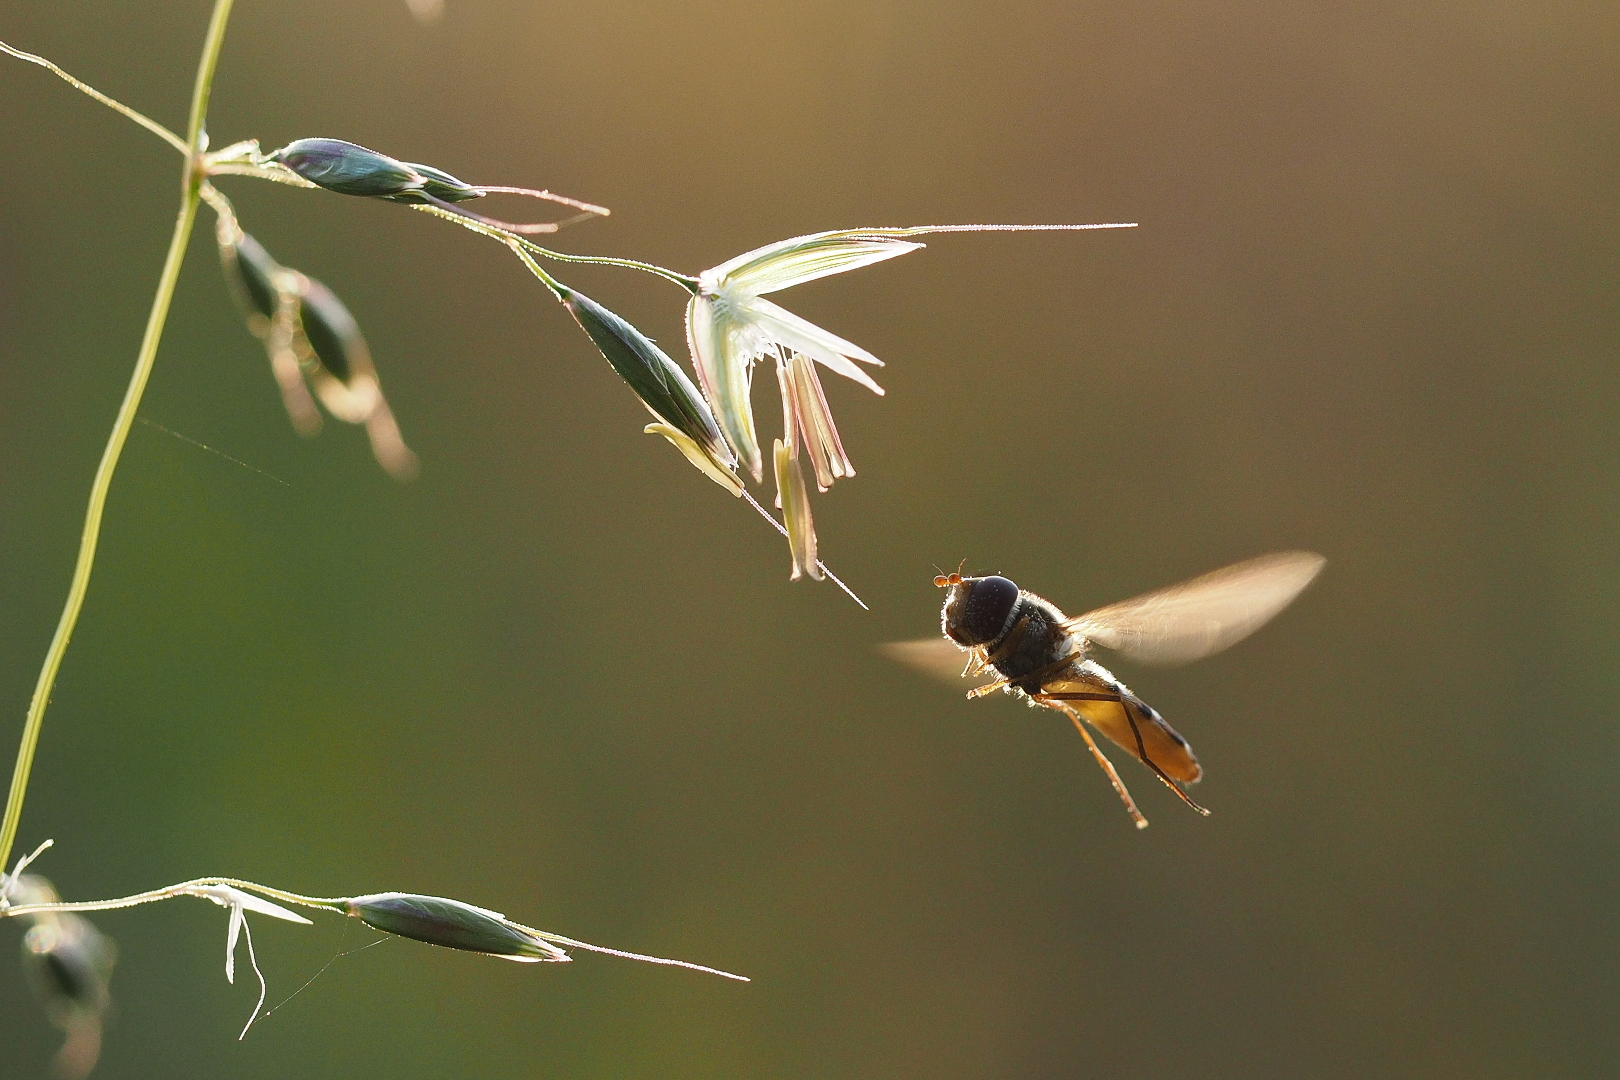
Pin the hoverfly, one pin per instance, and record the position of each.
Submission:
(1040, 654)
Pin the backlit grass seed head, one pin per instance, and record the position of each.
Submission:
(441, 185)
(792, 498)
(730, 326)
(700, 457)
(661, 385)
(349, 169)
(807, 413)
(452, 925)
(314, 344)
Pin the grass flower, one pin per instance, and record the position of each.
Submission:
(684, 415)
(794, 501)
(239, 903)
(72, 961)
(730, 327)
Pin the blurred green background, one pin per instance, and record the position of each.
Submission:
(1370, 311)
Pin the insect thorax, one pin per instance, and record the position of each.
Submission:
(1043, 642)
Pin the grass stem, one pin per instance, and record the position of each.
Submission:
(191, 182)
(112, 103)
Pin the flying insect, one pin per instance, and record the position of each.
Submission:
(1038, 653)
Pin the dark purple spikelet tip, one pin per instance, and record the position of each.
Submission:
(349, 169)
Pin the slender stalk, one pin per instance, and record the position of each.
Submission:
(690, 283)
(112, 103)
(191, 181)
(204, 84)
(546, 279)
(685, 281)
(193, 887)
(200, 887)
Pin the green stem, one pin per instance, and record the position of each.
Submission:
(557, 288)
(112, 103)
(204, 84)
(191, 181)
(685, 281)
(194, 887)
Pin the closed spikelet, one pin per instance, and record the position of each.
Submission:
(68, 963)
(314, 343)
(452, 924)
(350, 169)
(659, 382)
(252, 274)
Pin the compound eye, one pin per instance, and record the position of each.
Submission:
(981, 610)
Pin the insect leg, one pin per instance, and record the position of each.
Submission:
(1036, 676)
(983, 659)
(1141, 750)
(1107, 766)
(1010, 642)
(987, 688)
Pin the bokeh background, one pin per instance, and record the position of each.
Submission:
(1370, 311)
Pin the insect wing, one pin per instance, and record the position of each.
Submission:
(1202, 616)
(936, 656)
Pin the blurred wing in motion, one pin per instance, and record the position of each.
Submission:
(936, 656)
(1202, 616)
